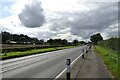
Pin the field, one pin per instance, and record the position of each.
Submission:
(11, 46)
(110, 58)
(23, 47)
(15, 54)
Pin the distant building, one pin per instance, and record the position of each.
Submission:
(13, 42)
(33, 43)
(9, 41)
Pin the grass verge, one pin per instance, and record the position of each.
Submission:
(10, 55)
(110, 58)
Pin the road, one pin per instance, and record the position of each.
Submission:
(46, 65)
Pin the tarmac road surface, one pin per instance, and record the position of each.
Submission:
(46, 65)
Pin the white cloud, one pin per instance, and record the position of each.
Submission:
(63, 5)
(70, 19)
(32, 15)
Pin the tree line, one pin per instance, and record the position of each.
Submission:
(24, 39)
(113, 43)
(7, 38)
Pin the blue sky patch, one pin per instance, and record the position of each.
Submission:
(4, 9)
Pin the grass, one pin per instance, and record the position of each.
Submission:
(110, 58)
(30, 52)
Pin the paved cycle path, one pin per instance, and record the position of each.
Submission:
(92, 66)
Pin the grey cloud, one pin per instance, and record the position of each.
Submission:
(86, 24)
(32, 15)
(58, 26)
(45, 35)
(112, 33)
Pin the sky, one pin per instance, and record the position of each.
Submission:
(65, 19)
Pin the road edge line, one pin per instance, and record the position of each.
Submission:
(60, 74)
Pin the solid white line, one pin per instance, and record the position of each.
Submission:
(76, 59)
(27, 63)
(59, 75)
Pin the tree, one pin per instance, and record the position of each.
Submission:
(112, 43)
(64, 42)
(35, 40)
(57, 41)
(5, 36)
(15, 37)
(75, 42)
(96, 38)
(41, 41)
(22, 39)
(50, 41)
(82, 42)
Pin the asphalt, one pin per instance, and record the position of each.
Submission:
(90, 67)
(47, 65)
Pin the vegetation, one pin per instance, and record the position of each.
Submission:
(7, 38)
(24, 39)
(75, 42)
(24, 47)
(109, 51)
(112, 43)
(96, 37)
(110, 58)
(57, 42)
(30, 52)
(14, 45)
(15, 42)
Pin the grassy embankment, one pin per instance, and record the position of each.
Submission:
(30, 52)
(110, 58)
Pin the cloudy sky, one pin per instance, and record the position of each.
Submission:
(66, 19)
